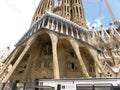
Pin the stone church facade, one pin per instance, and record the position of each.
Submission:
(59, 45)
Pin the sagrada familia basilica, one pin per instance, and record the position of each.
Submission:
(59, 45)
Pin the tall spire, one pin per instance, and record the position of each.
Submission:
(66, 7)
(73, 10)
(59, 2)
(43, 6)
(78, 13)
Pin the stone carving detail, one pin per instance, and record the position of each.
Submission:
(47, 49)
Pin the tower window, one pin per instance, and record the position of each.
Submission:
(79, 1)
(80, 12)
(76, 1)
(67, 9)
(77, 9)
(67, 1)
(71, 13)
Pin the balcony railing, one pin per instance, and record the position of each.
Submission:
(57, 24)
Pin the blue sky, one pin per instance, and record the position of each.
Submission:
(92, 9)
(16, 15)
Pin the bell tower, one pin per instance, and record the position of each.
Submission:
(73, 10)
(43, 6)
(69, 9)
(59, 2)
(66, 6)
(77, 12)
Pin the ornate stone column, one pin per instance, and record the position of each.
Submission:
(66, 29)
(9, 61)
(48, 23)
(77, 34)
(99, 65)
(43, 22)
(61, 28)
(56, 29)
(76, 49)
(54, 40)
(29, 43)
(39, 25)
(53, 25)
(72, 33)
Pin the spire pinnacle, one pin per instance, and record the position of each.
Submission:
(59, 2)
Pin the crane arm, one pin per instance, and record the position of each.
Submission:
(100, 8)
(110, 10)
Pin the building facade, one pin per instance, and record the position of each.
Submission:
(59, 45)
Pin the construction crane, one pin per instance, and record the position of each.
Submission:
(89, 2)
(116, 22)
(100, 8)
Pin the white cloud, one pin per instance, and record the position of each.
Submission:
(88, 24)
(97, 23)
(15, 18)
